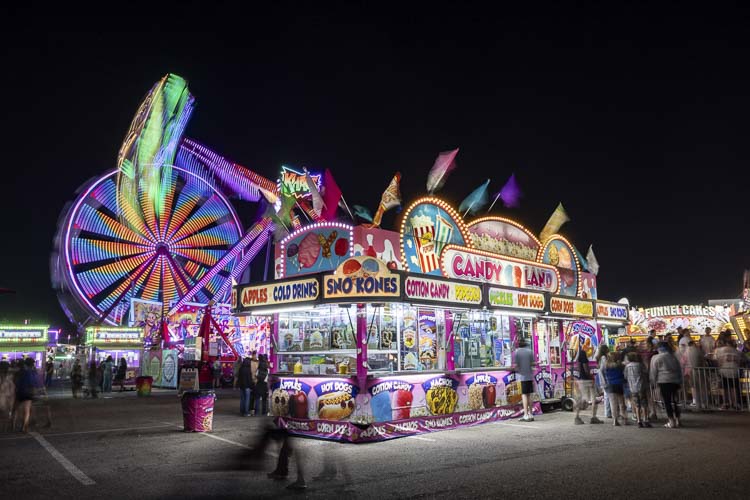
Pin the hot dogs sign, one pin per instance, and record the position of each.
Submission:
(435, 240)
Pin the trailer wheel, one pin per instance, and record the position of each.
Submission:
(568, 404)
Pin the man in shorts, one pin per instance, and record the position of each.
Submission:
(585, 385)
(524, 360)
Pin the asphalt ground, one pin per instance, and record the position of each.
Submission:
(123, 446)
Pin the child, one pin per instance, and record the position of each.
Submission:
(614, 381)
(637, 382)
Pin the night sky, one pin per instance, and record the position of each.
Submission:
(635, 119)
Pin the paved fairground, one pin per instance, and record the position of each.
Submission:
(123, 446)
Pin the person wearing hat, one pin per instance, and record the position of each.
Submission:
(666, 372)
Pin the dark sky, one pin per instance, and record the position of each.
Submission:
(635, 118)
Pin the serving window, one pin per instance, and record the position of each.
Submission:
(481, 340)
(547, 336)
(319, 341)
(383, 337)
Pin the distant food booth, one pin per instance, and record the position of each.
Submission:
(665, 320)
(24, 341)
(377, 334)
(118, 342)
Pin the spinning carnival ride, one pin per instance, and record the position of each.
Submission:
(159, 227)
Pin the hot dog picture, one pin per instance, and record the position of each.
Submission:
(335, 406)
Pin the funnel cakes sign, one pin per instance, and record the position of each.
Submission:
(469, 264)
(362, 277)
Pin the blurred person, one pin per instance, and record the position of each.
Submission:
(746, 353)
(26, 390)
(651, 341)
(667, 374)
(635, 376)
(49, 372)
(76, 378)
(236, 371)
(93, 379)
(100, 375)
(602, 355)
(281, 471)
(122, 371)
(708, 344)
(614, 379)
(586, 390)
(107, 374)
(7, 395)
(630, 347)
(245, 383)
(216, 369)
(728, 359)
(523, 362)
(692, 373)
(261, 386)
(254, 375)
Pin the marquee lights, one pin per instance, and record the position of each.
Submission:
(431, 200)
(23, 334)
(309, 227)
(543, 249)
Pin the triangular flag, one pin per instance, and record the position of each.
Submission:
(510, 194)
(444, 164)
(331, 196)
(391, 198)
(555, 222)
(476, 200)
(591, 260)
(362, 212)
(317, 200)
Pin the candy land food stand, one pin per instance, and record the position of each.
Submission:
(118, 342)
(22, 341)
(378, 334)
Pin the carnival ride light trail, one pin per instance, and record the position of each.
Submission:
(160, 227)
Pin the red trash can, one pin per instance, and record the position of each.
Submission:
(143, 385)
(198, 410)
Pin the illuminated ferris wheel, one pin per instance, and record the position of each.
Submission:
(106, 260)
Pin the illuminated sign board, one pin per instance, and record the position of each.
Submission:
(465, 263)
(432, 290)
(278, 293)
(605, 310)
(571, 307)
(113, 335)
(362, 278)
(656, 312)
(23, 334)
(294, 182)
(516, 299)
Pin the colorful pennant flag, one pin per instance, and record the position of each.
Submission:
(510, 194)
(476, 200)
(331, 196)
(555, 222)
(444, 164)
(317, 200)
(593, 264)
(391, 198)
(362, 212)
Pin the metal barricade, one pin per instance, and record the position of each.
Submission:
(711, 389)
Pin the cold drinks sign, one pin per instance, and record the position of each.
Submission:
(469, 264)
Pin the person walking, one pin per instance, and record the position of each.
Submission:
(728, 358)
(261, 386)
(76, 378)
(601, 358)
(217, 373)
(245, 383)
(107, 374)
(26, 389)
(236, 371)
(585, 385)
(7, 396)
(667, 374)
(635, 376)
(93, 379)
(524, 360)
(254, 374)
(614, 379)
(122, 370)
